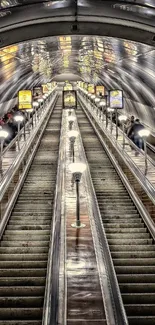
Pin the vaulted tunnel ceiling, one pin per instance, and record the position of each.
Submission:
(112, 61)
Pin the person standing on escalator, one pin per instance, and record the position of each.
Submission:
(134, 133)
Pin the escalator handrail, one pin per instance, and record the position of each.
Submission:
(142, 179)
(12, 200)
(131, 143)
(13, 141)
(51, 297)
(140, 207)
(6, 180)
(117, 305)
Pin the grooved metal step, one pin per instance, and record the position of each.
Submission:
(25, 243)
(131, 246)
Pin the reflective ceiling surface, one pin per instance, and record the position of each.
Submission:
(114, 62)
(142, 8)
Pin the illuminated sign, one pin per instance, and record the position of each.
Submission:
(45, 89)
(68, 86)
(100, 90)
(37, 92)
(91, 89)
(116, 98)
(25, 99)
(85, 85)
(69, 99)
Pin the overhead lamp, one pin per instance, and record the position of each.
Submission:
(35, 104)
(71, 120)
(144, 133)
(97, 100)
(3, 135)
(29, 110)
(77, 170)
(19, 119)
(110, 110)
(72, 136)
(102, 103)
(122, 119)
(40, 100)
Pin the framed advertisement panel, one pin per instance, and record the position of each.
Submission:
(116, 98)
(24, 99)
(45, 88)
(91, 89)
(37, 93)
(85, 86)
(69, 99)
(68, 87)
(100, 90)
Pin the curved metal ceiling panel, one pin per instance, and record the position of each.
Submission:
(21, 20)
(113, 62)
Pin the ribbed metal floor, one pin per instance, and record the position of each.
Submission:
(24, 247)
(131, 246)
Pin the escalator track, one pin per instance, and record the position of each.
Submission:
(24, 246)
(132, 248)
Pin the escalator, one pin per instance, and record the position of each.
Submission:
(131, 245)
(24, 246)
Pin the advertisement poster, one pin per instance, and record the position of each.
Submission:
(53, 84)
(49, 86)
(91, 89)
(68, 86)
(45, 89)
(100, 90)
(85, 86)
(25, 99)
(116, 98)
(37, 93)
(69, 99)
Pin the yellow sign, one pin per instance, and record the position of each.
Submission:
(25, 99)
(68, 87)
(69, 99)
(85, 85)
(45, 88)
(91, 89)
(100, 91)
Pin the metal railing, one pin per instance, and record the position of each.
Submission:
(114, 308)
(139, 205)
(15, 176)
(140, 176)
(51, 298)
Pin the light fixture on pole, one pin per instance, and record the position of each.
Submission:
(110, 110)
(71, 120)
(122, 119)
(35, 105)
(144, 133)
(19, 119)
(3, 135)
(29, 111)
(101, 104)
(77, 169)
(72, 137)
(40, 101)
(69, 112)
(92, 99)
(97, 100)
